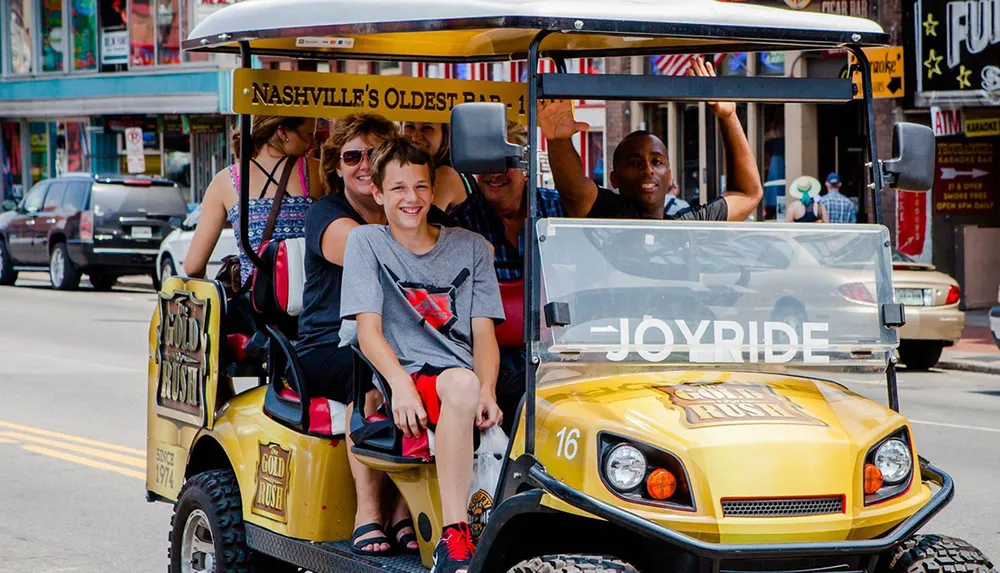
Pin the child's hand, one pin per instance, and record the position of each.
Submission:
(408, 411)
(489, 413)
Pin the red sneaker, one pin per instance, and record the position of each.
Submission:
(454, 550)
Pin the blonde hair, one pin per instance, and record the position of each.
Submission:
(346, 129)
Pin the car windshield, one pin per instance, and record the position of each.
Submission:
(686, 292)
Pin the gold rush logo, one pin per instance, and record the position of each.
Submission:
(720, 404)
(272, 482)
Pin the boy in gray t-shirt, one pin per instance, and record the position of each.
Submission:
(426, 299)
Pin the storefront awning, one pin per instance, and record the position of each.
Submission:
(203, 91)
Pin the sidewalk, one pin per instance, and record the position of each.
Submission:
(976, 351)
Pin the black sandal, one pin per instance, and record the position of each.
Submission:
(401, 543)
(358, 546)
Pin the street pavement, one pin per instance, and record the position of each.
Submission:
(72, 432)
(976, 351)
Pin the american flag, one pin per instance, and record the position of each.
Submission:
(677, 64)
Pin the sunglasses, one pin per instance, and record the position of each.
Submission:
(352, 157)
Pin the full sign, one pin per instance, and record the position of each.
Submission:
(397, 98)
(182, 350)
(887, 72)
(958, 43)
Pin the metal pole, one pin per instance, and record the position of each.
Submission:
(532, 288)
(246, 148)
(875, 188)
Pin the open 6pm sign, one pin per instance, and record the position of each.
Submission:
(397, 98)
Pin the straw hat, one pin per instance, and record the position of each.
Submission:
(804, 185)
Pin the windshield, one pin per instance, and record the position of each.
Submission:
(687, 292)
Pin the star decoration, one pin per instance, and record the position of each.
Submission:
(930, 26)
(933, 64)
(963, 78)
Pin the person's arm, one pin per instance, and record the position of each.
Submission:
(210, 224)
(449, 190)
(333, 241)
(576, 191)
(746, 191)
(789, 212)
(823, 213)
(487, 308)
(486, 365)
(407, 410)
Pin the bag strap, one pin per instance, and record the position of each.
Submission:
(279, 196)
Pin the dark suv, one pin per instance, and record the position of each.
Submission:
(104, 226)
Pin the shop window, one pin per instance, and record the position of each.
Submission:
(114, 35)
(168, 32)
(141, 40)
(11, 162)
(177, 150)
(595, 156)
(84, 24)
(771, 64)
(22, 36)
(733, 65)
(687, 177)
(773, 141)
(39, 133)
(53, 40)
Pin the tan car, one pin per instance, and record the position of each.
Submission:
(933, 320)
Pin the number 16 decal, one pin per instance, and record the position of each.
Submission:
(567, 443)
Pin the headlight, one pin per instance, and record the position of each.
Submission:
(893, 459)
(625, 467)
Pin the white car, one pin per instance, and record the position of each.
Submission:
(173, 249)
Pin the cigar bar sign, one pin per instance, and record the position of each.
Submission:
(958, 45)
(398, 98)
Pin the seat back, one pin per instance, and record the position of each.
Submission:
(510, 333)
(281, 293)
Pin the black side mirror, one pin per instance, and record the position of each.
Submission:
(8, 205)
(912, 165)
(479, 139)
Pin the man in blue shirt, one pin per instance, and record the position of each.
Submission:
(840, 208)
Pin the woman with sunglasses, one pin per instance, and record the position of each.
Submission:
(328, 368)
(276, 140)
(450, 186)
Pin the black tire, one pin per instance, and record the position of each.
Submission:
(62, 272)
(102, 282)
(8, 276)
(920, 354)
(937, 553)
(216, 494)
(572, 564)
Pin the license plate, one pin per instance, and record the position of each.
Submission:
(142, 232)
(910, 296)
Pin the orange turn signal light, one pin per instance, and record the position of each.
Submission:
(661, 484)
(873, 479)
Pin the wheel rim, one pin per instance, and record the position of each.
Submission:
(165, 271)
(56, 271)
(197, 545)
(2, 254)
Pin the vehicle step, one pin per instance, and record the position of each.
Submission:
(332, 557)
(28, 269)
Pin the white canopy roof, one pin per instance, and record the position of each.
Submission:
(499, 29)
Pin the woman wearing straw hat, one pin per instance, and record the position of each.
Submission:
(802, 204)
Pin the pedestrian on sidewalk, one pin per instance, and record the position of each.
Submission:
(803, 206)
(839, 207)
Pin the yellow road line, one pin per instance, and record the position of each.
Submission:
(7, 441)
(127, 460)
(70, 438)
(85, 461)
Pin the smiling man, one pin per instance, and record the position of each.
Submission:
(641, 171)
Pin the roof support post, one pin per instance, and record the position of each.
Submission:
(532, 285)
(246, 149)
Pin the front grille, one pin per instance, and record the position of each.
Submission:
(782, 507)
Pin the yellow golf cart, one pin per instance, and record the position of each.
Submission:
(684, 406)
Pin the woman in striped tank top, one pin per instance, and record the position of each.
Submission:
(275, 141)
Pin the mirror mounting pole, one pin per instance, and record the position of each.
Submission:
(532, 286)
(246, 148)
(876, 166)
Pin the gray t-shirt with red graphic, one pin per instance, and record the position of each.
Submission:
(427, 302)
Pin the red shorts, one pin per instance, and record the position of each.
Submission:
(425, 380)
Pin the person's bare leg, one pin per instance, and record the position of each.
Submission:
(401, 511)
(368, 486)
(458, 389)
